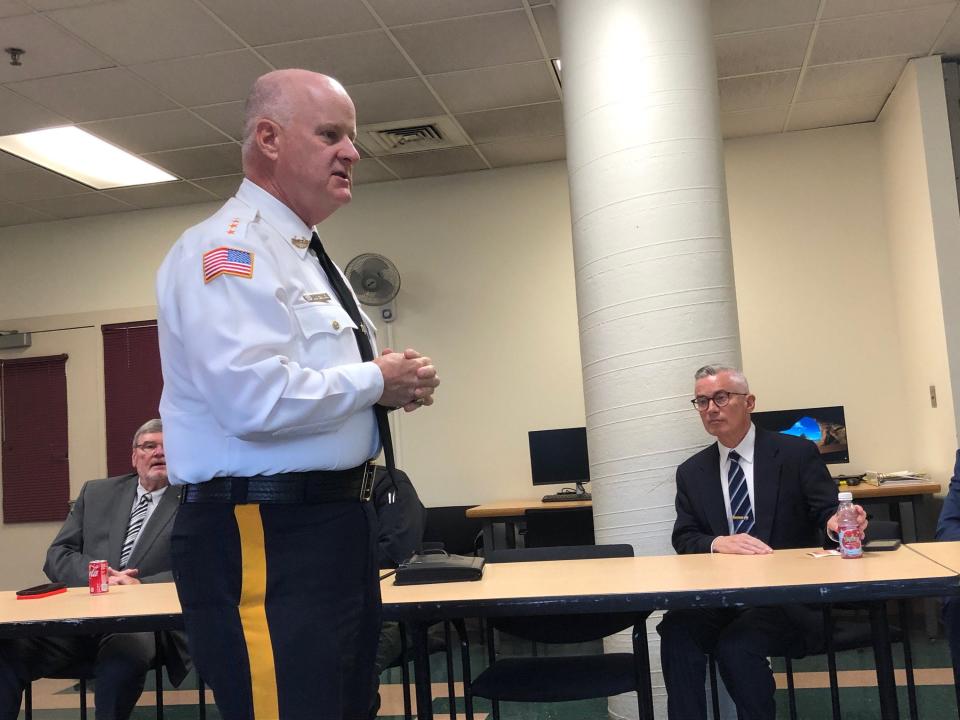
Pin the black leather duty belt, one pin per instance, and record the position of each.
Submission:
(296, 488)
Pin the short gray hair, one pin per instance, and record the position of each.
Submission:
(150, 426)
(268, 98)
(736, 374)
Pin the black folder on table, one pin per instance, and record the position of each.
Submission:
(439, 567)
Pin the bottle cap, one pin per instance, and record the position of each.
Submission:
(845, 496)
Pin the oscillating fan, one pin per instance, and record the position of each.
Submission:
(376, 282)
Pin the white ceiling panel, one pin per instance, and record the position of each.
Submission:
(205, 80)
(260, 23)
(141, 31)
(480, 41)
(496, 87)
(848, 8)
(79, 206)
(36, 184)
(18, 114)
(545, 17)
(10, 8)
(59, 4)
(523, 151)
(856, 79)
(404, 12)
(393, 100)
(210, 161)
(228, 117)
(739, 15)
(49, 50)
(827, 113)
(11, 164)
(949, 43)
(752, 122)
(758, 52)
(437, 162)
(223, 187)
(19, 215)
(524, 121)
(165, 195)
(758, 91)
(353, 59)
(94, 95)
(162, 131)
(902, 33)
(370, 171)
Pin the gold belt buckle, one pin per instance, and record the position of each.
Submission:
(366, 487)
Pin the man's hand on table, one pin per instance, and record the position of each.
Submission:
(122, 577)
(740, 544)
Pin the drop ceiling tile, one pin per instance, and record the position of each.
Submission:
(141, 31)
(904, 33)
(546, 19)
(393, 100)
(10, 8)
(496, 87)
(79, 206)
(228, 117)
(11, 163)
(739, 15)
(524, 121)
(758, 91)
(875, 77)
(261, 23)
(48, 50)
(37, 184)
(752, 122)
(370, 171)
(827, 113)
(205, 80)
(201, 162)
(19, 215)
(847, 8)
(161, 131)
(404, 12)
(435, 162)
(223, 187)
(480, 41)
(354, 59)
(524, 151)
(949, 43)
(164, 195)
(21, 115)
(751, 53)
(94, 95)
(59, 4)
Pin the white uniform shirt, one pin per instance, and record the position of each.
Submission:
(261, 374)
(745, 451)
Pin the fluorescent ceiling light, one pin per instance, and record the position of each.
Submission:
(556, 68)
(83, 157)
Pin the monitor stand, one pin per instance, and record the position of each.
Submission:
(570, 495)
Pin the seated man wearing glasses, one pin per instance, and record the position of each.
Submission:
(750, 493)
(125, 520)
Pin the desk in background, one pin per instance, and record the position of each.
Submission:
(892, 494)
(509, 512)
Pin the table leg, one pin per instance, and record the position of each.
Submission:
(642, 654)
(488, 535)
(886, 681)
(421, 671)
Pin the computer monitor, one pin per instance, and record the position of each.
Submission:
(824, 426)
(559, 456)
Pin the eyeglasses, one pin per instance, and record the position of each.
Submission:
(720, 398)
(148, 447)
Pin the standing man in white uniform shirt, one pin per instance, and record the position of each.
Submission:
(274, 403)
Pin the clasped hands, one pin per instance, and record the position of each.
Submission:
(122, 577)
(409, 379)
(743, 544)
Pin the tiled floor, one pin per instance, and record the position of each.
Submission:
(57, 700)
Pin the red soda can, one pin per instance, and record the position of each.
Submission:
(97, 575)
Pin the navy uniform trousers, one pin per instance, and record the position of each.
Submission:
(281, 604)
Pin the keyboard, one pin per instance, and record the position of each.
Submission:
(566, 497)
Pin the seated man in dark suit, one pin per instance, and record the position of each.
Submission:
(750, 493)
(125, 520)
(948, 528)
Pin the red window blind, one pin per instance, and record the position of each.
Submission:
(33, 410)
(132, 385)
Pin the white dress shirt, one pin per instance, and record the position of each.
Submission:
(261, 374)
(155, 496)
(745, 451)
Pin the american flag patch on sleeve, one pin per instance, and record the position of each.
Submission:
(227, 261)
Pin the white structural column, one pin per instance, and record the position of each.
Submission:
(654, 271)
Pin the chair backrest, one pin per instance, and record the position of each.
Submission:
(883, 530)
(560, 526)
(562, 628)
(451, 526)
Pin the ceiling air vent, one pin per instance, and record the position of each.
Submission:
(421, 134)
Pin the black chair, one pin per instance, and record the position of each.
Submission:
(559, 527)
(555, 679)
(450, 525)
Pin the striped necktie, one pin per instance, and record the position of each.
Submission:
(137, 518)
(740, 509)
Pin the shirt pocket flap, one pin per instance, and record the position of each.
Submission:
(329, 319)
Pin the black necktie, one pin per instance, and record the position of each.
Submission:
(363, 340)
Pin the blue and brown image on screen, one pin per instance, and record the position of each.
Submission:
(824, 426)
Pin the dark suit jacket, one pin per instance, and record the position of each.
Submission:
(948, 528)
(794, 495)
(95, 530)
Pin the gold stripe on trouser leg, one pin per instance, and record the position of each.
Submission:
(253, 613)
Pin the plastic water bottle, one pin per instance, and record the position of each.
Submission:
(847, 532)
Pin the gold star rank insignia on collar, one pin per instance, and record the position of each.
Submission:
(301, 243)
